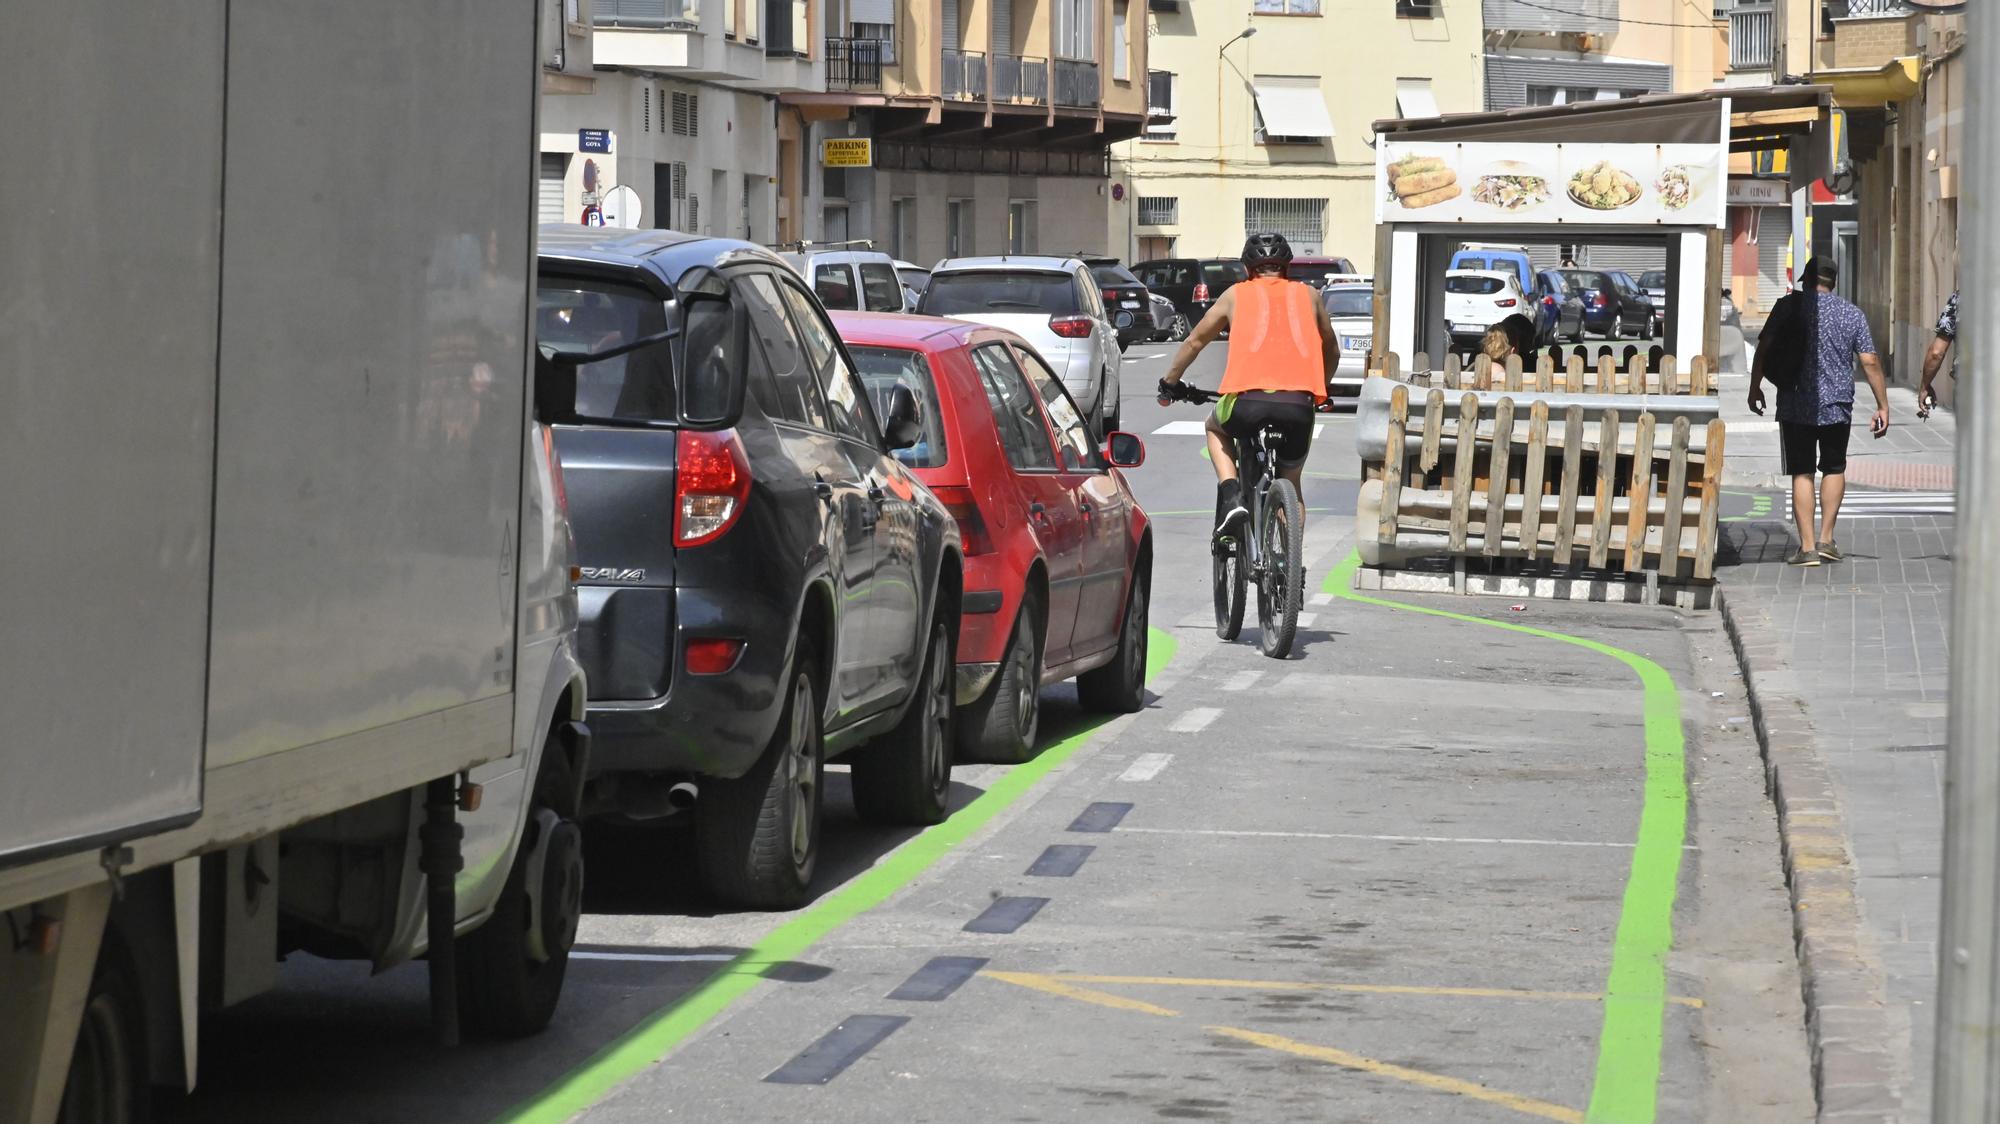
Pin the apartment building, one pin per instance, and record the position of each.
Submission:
(678, 100)
(1262, 118)
(963, 127)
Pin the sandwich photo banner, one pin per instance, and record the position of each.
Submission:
(1532, 184)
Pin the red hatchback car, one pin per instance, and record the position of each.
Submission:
(1058, 553)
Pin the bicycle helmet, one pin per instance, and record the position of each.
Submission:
(1266, 252)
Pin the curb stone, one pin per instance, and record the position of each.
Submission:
(1847, 1025)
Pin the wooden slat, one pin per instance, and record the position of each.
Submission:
(1607, 482)
(1711, 498)
(1497, 473)
(1531, 479)
(1392, 366)
(1573, 374)
(1698, 375)
(1639, 493)
(1420, 369)
(1482, 372)
(1607, 373)
(1392, 464)
(1572, 448)
(1670, 376)
(1461, 470)
(1635, 375)
(1545, 374)
(1453, 373)
(1677, 479)
(1513, 383)
(1433, 430)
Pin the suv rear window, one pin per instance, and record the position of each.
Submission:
(1163, 274)
(1113, 275)
(1476, 285)
(985, 292)
(1657, 279)
(883, 369)
(579, 317)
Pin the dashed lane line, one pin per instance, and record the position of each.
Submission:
(1195, 720)
(1145, 767)
(1242, 681)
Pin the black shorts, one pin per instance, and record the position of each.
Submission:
(1805, 445)
(1290, 412)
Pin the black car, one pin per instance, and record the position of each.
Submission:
(763, 584)
(1559, 307)
(1613, 305)
(1124, 293)
(1193, 284)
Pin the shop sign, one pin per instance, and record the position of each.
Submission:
(1745, 191)
(847, 152)
(1550, 184)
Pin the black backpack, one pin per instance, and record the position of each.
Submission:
(1790, 339)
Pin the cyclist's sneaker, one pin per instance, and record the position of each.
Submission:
(1229, 510)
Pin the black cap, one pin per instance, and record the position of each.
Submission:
(1822, 271)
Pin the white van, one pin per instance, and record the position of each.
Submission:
(853, 280)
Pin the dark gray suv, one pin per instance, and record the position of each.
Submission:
(763, 585)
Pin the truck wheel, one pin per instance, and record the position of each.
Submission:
(757, 837)
(1119, 687)
(108, 1079)
(1000, 727)
(905, 777)
(511, 969)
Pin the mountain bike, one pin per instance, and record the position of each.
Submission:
(1269, 555)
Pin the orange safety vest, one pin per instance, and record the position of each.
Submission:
(1274, 341)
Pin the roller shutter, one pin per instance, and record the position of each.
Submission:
(549, 199)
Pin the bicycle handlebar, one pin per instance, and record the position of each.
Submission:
(1188, 393)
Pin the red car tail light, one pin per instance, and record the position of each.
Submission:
(713, 655)
(711, 485)
(1201, 290)
(1071, 327)
(965, 510)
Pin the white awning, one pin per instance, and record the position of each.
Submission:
(1414, 98)
(1292, 107)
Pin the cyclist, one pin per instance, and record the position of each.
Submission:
(1282, 356)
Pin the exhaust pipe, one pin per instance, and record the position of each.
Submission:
(682, 796)
(640, 797)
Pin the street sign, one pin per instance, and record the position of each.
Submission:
(593, 140)
(847, 152)
(621, 208)
(1748, 192)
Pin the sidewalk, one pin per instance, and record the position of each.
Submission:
(1846, 666)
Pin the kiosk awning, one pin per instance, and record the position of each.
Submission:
(1293, 107)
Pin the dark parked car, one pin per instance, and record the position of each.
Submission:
(764, 585)
(1609, 309)
(1193, 284)
(1559, 307)
(1315, 270)
(1124, 293)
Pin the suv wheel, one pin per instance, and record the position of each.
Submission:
(905, 776)
(757, 837)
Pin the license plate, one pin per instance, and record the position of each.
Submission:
(1358, 343)
(1469, 329)
(1129, 304)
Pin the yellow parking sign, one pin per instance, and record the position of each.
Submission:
(847, 152)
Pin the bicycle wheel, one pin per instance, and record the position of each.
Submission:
(1281, 587)
(1229, 579)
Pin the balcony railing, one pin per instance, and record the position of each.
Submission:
(1076, 83)
(854, 64)
(965, 75)
(1751, 37)
(1869, 8)
(1021, 79)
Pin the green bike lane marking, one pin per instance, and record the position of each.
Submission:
(1625, 1086)
(660, 1033)
(1760, 506)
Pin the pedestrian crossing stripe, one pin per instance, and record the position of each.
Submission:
(1884, 505)
(1186, 428)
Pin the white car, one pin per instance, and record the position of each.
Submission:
(1051, 302)
(1351, 307)
(854, 280)
(1477, 299)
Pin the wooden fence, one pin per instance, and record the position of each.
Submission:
(1608, 371)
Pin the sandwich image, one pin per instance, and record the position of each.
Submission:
(1511, 186)
(1422, 181)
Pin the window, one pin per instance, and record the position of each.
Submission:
(729, 18)
(983, 292)
(883, 33)
(1121, 45)
(1286, 7)
(957, 228)
(880, 290)
(1567, 95)
(1414, 98)
(785, 390)
(883, 369)
(1301, 221)
(1021, 226)
(847, 409)
(1160, 86)
(903, 228)
(1072, 436)
(1349, 303)
(1179, 274)
(1022, 431)
(1290, 110)
(1473, 285)
(581, 317)
(687, 115)
(1159, 210)
(752, 9)
(834, 285)
(1416, 9)
(1076, 29)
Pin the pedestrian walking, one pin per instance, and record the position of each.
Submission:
(1817, 338)
(1947, 331)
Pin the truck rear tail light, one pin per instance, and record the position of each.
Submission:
(1071, 327)
(713, 655)
(965, 510)
(1201, 290)
(711, 485)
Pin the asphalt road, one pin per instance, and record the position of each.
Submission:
(1392, 878)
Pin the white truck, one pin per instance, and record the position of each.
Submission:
(290, 659)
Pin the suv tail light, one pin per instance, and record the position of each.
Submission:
(711, 484)
(958, 500)
(1201, 290)
(1111, 294)
(1071, 327)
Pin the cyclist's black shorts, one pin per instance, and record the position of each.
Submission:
(1290, 412)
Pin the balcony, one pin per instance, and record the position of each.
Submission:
(1589, 17)
(854, 64)
(1020, 79)
(1076, 83)
(964, 75)
(1752, 37)
(1867, 8)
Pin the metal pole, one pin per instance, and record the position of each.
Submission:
(1968, 1047)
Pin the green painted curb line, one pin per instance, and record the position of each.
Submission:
(660, 1033)
(1625, 1087)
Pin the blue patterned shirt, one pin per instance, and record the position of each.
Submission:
(1828, 398)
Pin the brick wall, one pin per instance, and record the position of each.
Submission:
(1872, 40)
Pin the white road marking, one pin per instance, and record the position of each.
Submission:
(1322, 599)
(1181, 428)
(1145, 767)
(1306, 619)
(1376, 838)
(656, 957)
(1195, 720)
(1243, 681)
(1886, 505)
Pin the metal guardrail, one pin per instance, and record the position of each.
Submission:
(1021, 79)
(1752, 37)
(854, 64)
(1076, 83)
(964, 75)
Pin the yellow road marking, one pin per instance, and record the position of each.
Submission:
(1054, 986)
(1472, 1089)
(1356, 988)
